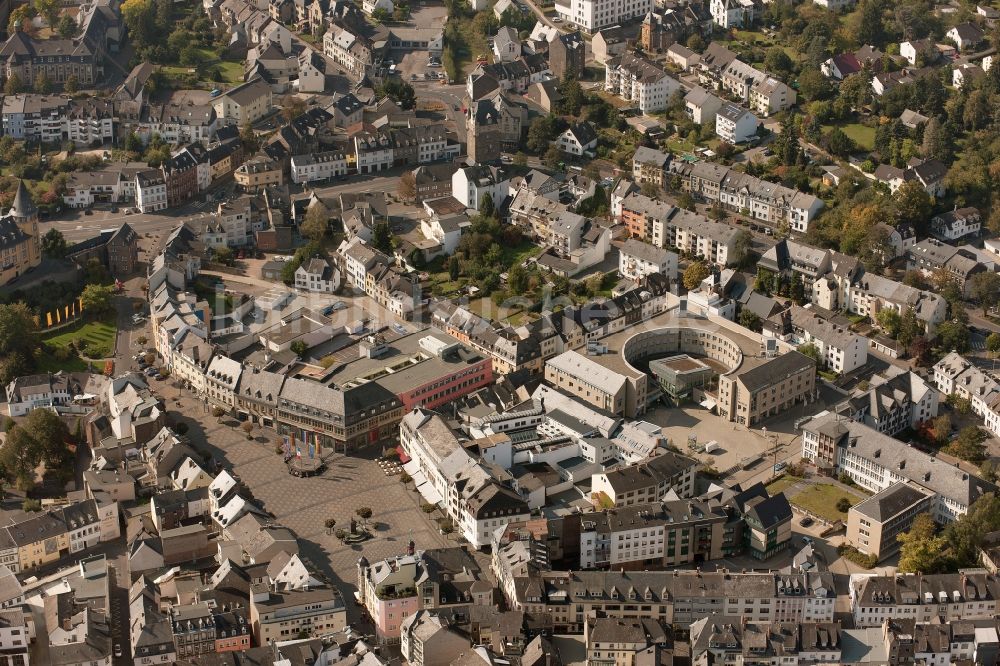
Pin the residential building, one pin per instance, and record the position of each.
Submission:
(317, 275)
(427, 640)
(470, 184)
(840, 349)
(702, 106)
(957, 224)
(637, 259)
(39, 391)
(645, 482)
(966, 36)
(245, 104)
(640, 81)
(874, 524)
(395, 588)
(278, 614)
(893, 403)
(150, 191)
(592, 15)
(732, 13)
(924, 598)
(567, 54)
(650, 166)
(322, 166)
(876, 461)
(27, 57)
(771, 96)
(734, 124)
(578, 139)
(258, 173)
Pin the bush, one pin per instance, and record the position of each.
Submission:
(405, 478)
(846, 479)
(856, 556)
(218, 412)
(427, 507)
(340, 534)
(843, 505)
(30, 505)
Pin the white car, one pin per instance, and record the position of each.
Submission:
(118, 649)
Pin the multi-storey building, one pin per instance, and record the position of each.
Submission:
(874, 524)
(592, 15)
(314, 167)
(645, 482)
(58, 59)
(875, 461)
(246, 103)
(840, 349)
(282, 614)
(951, 597)
(635, 79)
(636, 260)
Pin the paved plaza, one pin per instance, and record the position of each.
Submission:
(304, 504)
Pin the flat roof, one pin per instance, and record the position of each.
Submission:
(614, 360)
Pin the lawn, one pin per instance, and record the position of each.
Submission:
(232, 71)
(782, 484)
(821, 500)
(520, 253)
(862, 135)
(98, 335)
(485, 307)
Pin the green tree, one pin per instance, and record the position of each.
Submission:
(54, 244)
(299, 348)
(42, 84)
(50, 435)
(316, 222)
(251, 144)
(382, 237)
(750, 319)
(742, 255)
(552, 157)
(813, 85)
(49, 10)
(400, 92)
(968, 444)
(993, 342)
(889, 321)
(812, 351)
(777, 62)
(225, 256)
(66, 27)
(966, 534)
(942, 429)
(13, 85)
(913, 204)
(985, 290)
(381, 15)
(696, 43)
(72, 84)
(909, 327)
(96, 299)
(19, 457)
(695, 273)
(517, 280)
(18, 340)
(486, 207)
(953, 335)
(921, 550)
(364, 513)
(454, 268)
(407, 188)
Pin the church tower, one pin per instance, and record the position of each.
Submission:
(25, 215)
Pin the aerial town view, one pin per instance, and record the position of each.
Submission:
(499, 332)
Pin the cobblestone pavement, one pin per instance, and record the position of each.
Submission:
(304, 504)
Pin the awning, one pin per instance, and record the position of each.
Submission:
(429, 493)
(708, 402)
(412, 468)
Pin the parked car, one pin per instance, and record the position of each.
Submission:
(118, 649)
(87, 211)
(780, 466)
(806, 521)
(807, 540)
